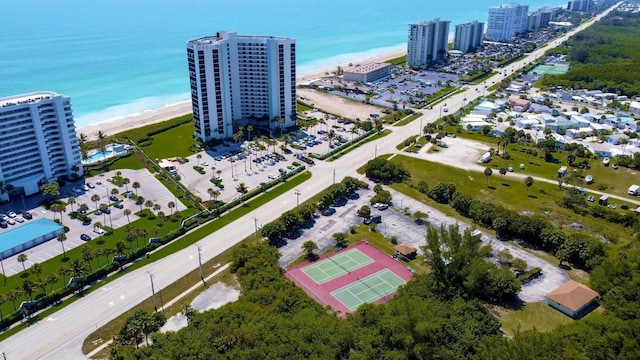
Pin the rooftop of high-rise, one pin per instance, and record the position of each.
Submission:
(27, 98)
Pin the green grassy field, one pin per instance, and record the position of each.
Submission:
(178, 141)
(510, 193)
(533, 316)
(616, 181)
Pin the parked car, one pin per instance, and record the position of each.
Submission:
(98, 212)
(383, 206)
(98, 230)
(328, 211)
(119, 206)
(113, 198)
(19, 219)
(11, 214)
(27, 215)
(588, 179)
(85, 237)
(90, 185)
(10, 221)
(85, 188)
(3, 224)
(591, 198)
(375, 218)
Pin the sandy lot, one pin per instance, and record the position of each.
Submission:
(337, 104)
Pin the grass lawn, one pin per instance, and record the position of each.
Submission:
(511, 193)
(141, 132)
(178, 141)
(351, 148)
(617, 181)
(533, 316)
(408, 119)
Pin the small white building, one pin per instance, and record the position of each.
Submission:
(634, 107)
(634, 190)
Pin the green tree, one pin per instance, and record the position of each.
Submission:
(62, 237)
(50, 190)
(528, 182)
(242, 189)
(95, 198)
(340, 239)
(487, 173)
(503, 172)
(136, 186)
(309, 248)
(364, 211)
(36, 268)
(22, 258)
(419, 216)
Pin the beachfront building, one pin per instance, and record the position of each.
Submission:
(505, 21)
(38, 142)
(579, 5)
(468, 36)
(539, 19)
(367, 73)
(241, 80)
(428, 43)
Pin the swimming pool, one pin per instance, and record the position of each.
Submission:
(111, 150)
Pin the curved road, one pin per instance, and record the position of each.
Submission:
(60, 336)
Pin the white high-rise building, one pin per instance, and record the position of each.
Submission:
(38, 142)
(428, 42)
(468, 36)
(240, 80)
(505, 21)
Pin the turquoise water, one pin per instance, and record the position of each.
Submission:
(25, 232)
(100, 155)
(117, 57)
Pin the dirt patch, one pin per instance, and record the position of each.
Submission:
(337, 104)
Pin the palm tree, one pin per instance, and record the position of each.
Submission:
(61, 238)
(120, 247)
(126, 213)
(528, 182)
(114, 192)
(130, 236)
(178, 216)
(88, 255)
(156, 207)
(242, 189)
(162, 217)
(22, 258)
(71, 201)
(503, 171)
(98, 253)
(27, 288)
(37, 269)
(52, 279)
(210, 191)
(12, 296)
(102, 139)
(83, 208)
(171, 205)
(103, 207)
(199, 156)
(148, 204)
(249, 130)
(215, 193)
(77, 271)
(95, 198)
(98, 225)
(142, 233)
(126, 182)
(140, 201)
(487, 173)
(136, 186)
(64, 272)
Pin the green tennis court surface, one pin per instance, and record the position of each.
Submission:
(336, 266)
(550, 69)
(369, 289)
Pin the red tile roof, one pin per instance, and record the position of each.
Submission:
(573, 295)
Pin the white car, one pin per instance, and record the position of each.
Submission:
(204, 163)
(10, 221)
(98, 230)
(271, 176)
(19, 219)
(85, 188)
(588, 179)
(11, 214)
(605, 161)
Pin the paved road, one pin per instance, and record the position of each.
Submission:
(61, 335)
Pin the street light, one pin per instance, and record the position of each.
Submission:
(375, 152)
(200, 263)
(153, 292)
(255, 222)
(297, 192)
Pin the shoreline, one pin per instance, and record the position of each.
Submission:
(170, 111)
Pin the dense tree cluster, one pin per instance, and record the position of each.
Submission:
(386, 171)
(605, 56)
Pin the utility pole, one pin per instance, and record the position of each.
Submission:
(200, 263)
(153, 292)
(297, 192)
(375, 152)
(255, 222)
(334, 176)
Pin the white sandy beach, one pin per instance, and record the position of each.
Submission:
(171, 111)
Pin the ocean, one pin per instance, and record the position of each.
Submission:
(121, 57)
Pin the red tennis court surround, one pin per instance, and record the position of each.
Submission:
(322, 292)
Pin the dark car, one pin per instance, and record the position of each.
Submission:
(27, 215)
(3, 224)
(86, 221)
(113, 198)
(107, 211)
(376, 219)
(118, 205)
(328, 211)
(85, 237)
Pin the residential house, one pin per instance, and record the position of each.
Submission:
(573, 299)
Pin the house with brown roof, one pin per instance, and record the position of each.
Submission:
(518, 104)
(404, 252)
(573, 299)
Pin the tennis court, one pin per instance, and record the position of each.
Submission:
(336, 266)
(369, 289)
(550, 69)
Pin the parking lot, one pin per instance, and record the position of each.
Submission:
(150, 189)
(406, 230)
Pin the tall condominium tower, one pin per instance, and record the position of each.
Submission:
(38, 142)
(241, 80)
(468, 36)
(428, 41)
(505, 21)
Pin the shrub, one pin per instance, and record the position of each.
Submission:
(530, 275)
